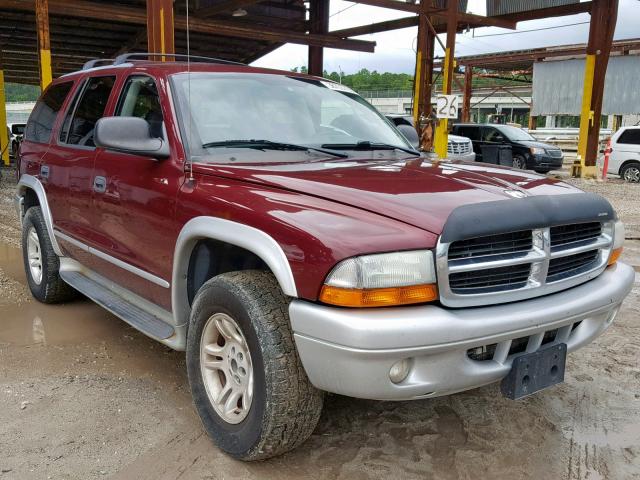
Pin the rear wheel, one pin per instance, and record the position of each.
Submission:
(41, 264)
(247, 381)
(631, 172)
(519, 162)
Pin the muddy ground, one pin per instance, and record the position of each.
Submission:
(84, 396)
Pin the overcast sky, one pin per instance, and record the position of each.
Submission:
(395, 50)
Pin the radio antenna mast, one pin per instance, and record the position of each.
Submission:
(190, 157)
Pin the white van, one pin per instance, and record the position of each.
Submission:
(625, 154)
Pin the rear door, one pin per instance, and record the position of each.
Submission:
(39, 130)
(627, 147)
(134, 212)
(70, 159)
(472, 132)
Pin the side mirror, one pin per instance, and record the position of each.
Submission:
(129, 135)
(410, 134)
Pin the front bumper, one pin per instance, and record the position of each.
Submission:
(350, 352)
(547, 162)
(465, 157)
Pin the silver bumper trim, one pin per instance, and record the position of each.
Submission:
(350, 352)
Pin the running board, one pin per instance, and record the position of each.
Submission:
(138, 318)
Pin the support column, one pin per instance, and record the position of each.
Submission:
(423, 78)
(468, 89)
(44, 42)
(442, 131)
(532, 121)
(604, 14)
(319, 23)
(4, 137)
(160, 27)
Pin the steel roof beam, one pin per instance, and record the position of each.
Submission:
(133, 15)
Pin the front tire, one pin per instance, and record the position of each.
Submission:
(631, 172)
(519, 162)
(247, 381)
(41, 264)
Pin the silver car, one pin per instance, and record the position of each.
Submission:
(458, 148)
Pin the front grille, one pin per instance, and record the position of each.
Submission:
(459, 148)
(578, 232)
(555, 153)
(563, 267)
(493, 279)
(491, 245)
(512, 266)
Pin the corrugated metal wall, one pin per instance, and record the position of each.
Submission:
(557, 87)
(503, 7)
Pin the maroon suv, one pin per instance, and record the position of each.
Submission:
(281, 231)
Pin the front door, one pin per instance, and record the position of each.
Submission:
(135, 208)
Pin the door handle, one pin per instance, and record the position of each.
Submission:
(100, 184)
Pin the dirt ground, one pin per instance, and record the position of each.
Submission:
(84, 396)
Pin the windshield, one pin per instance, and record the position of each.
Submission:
(514, 134)
(223, 111)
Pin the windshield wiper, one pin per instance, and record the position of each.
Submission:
(269, 145)
(367, 145)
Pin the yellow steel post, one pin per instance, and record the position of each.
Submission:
(44, 42)
(4, 137)
(442, 130)
(586, 114)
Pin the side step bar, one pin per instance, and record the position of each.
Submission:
(140, 319)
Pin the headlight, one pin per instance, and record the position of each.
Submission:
(538, 150)
(380, 280)
(618, 242)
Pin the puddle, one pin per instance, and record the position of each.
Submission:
(34, 323)
(11, 263)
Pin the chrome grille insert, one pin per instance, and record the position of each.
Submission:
(577, 232)
(513, 266)
(491, 245)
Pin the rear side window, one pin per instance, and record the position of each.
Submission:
(630, 137)
(140, 99)
(472, 133)
(88, 107)
(45, 112)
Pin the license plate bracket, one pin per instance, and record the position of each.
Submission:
(535, 371)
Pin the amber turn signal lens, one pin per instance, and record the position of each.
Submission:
(378, 297)
(615, 255)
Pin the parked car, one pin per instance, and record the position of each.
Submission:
(528, 153)
(16, 130)
(458, 148)
(275, 227)
(624, 159)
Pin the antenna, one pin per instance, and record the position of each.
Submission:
(190, 157)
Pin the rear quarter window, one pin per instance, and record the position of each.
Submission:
(630, 137)
(44, 114)
(472, 133)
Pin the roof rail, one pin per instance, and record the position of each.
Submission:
(96, 61)
(125, 57)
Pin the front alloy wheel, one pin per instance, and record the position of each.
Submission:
(519, 162)
(226, 367)
(632, 174)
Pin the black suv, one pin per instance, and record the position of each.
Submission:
(528, 153)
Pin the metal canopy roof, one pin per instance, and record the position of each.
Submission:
(76, 37)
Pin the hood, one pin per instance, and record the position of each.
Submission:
(534, 143)
(418, 192)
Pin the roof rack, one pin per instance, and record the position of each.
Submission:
(125, 57)
(95, 62)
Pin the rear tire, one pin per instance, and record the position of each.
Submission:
(41, 264)
(542, 171)
(631, 172)
(258, 403)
